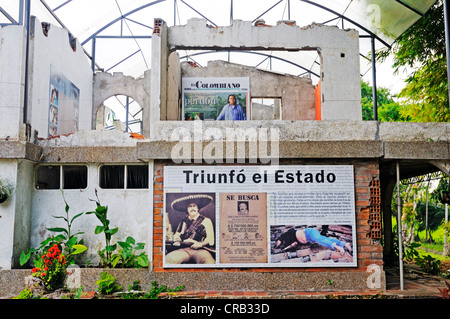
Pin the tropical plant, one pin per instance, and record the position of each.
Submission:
(101, 212)
(388, 109)
(66, 240)
(422, 49)
(442, 191)
(107, 284)
(127, 257)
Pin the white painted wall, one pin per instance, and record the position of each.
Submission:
(15, 211)
(12, 70)
(54, 52)
(7, 215)
(130, 210)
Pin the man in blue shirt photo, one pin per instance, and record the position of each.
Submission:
(232, 111)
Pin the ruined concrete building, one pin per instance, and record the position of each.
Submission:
(305, 163)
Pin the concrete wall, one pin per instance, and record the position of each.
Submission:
(54, 53)
(130, 210)
(297, 94)
(339, 51)
(107, 85)
(15, 212)
(12, 78)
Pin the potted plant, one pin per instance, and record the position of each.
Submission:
(6, 189)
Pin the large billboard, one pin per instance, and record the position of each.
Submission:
(259, 216)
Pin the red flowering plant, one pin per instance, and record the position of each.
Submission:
(51, 268)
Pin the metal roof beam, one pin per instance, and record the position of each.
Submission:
(198, 13)
(120, 18)
(347, 19)
(6, 14)
(257, 53)
(409, 7)
(62, 5)
(267, 10)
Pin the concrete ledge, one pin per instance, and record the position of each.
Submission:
(288, 139)
(417, 150)
(286, 149)
(89, 154)
(12, 281)
(19, 150)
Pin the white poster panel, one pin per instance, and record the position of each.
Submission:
(259, 216)
(210, 98)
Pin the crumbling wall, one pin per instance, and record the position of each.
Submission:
(56, 56)
(12, 79)
(297, 93)
(107, 85)
(338, 49)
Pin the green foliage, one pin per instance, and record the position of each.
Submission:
(422, 48)
(51, 268)
(443, 187)
(26, 293)
(388, 109)
(411, 252)
(135, 286)
(429, 264)
(69, 242)
(435, 215)
(127, 257)
(101, 212)
(107, 284)
(156, 290)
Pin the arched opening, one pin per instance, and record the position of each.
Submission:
(120, 112)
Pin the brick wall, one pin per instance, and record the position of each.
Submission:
(369, 250)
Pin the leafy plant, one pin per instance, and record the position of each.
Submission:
(66, 239)
(156, 290)
(52, 269)
(127, 257)
(6, 188)
(411, 253)
(135, 286)
(442, 191)
(107, 284)
(429, 264)
(26, 293)
(101, 212)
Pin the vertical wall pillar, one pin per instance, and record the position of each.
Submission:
(158, 92)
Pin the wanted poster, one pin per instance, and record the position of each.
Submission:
(243, 228)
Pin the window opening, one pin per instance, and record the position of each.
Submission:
(48, 177)
(266, 108)
(61, 176)
(137, 176)
(114, 176)
(74, 177)
(123, 113)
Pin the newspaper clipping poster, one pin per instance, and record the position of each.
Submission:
(243, 227)
(209, 98)
(260, 216)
